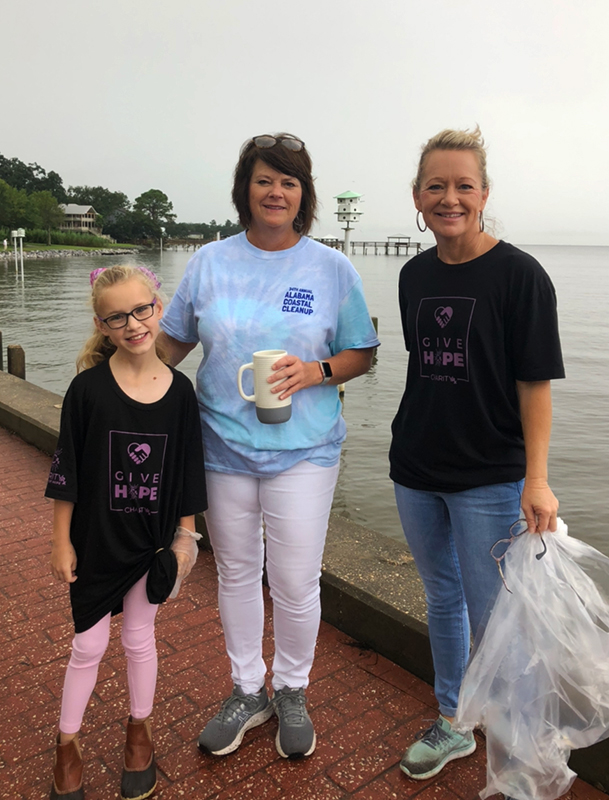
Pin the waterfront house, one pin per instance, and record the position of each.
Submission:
(79, 218)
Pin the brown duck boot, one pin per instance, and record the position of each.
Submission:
(139, 772)
(67, 772)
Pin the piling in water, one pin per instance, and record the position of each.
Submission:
(15, 359)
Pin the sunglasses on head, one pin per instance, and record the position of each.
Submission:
(289, 142)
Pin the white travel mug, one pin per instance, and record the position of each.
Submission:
(269, 408)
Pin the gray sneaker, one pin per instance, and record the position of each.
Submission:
(295, 736)
(240, 712)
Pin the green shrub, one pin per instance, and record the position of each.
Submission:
(65, 237)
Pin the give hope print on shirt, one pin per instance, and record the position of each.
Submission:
(442, 331)
(136, 470)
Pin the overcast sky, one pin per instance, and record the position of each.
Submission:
(141, 94)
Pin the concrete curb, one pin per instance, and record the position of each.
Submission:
(30, 412)
(370, 588)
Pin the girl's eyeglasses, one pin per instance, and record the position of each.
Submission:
(500, 548)
(289, 142)
(115, 321)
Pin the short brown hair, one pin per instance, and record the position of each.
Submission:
(295, 163)
(454, 140)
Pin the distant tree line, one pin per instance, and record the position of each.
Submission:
(31, 178)
(30, 198)
(204, 230)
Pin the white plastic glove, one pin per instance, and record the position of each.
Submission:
(185, 544)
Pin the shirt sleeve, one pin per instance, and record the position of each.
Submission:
(354, 330)
(403, 302)
(179, 320)
(62, 483)
(533, 329)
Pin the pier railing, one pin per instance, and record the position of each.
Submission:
(391, 246)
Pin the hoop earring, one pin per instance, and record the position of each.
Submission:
(481, 221)
(419, 224)
(298, 223)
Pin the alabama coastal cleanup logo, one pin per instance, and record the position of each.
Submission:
(442, 331)
(298, 301)
(136, 471)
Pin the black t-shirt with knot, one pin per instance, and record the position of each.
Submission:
(132, 470)
(473, 330)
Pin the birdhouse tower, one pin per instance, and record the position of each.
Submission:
(348, 212)
(348, 207)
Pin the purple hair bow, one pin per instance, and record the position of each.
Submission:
(93, 276)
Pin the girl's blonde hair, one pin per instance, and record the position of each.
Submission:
(454, 140)
(98, 347)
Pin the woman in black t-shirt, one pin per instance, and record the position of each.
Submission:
(471, 436)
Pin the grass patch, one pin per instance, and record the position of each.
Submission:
(65, 238)
(108, 246)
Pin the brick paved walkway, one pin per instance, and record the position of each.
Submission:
(364, 707)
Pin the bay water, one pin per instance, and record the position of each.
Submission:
(49, 316)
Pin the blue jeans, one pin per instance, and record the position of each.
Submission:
(450, 535)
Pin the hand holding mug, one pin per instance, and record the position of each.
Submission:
(297, 375)
(270, 407)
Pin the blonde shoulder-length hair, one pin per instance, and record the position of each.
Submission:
(98, 347)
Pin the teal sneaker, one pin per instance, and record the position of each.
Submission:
(434, 748)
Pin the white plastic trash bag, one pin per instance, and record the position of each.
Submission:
(538, 678)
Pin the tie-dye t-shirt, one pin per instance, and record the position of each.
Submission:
(236, 299)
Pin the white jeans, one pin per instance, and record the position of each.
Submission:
(295, 507)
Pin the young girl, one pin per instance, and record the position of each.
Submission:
(127, 471)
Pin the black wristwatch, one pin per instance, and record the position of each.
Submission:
(327, 371)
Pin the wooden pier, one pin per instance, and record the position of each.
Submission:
(392, 246)
(186, 243)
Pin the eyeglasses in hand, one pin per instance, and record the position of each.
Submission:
(500, 548)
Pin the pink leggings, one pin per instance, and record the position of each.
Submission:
(89, 647)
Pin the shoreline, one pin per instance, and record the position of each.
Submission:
(31, 255)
